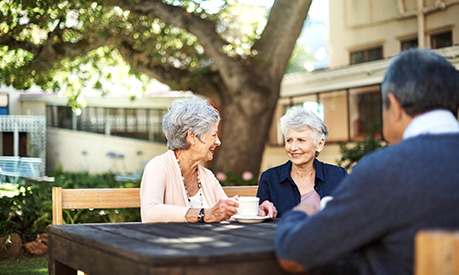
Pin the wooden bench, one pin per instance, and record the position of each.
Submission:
(107, 198)
(436, 252)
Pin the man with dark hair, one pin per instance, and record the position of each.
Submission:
(394, 192)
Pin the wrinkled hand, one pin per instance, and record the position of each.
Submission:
(309, 209)
(222, 210)
(267, 208)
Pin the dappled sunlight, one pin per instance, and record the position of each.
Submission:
(198, 239)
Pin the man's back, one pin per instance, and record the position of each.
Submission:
(420, 179)
(390, 195)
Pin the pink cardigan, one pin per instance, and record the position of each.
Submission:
(162, 194)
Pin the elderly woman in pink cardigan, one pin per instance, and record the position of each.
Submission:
(174, 187)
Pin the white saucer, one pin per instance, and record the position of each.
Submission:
(255, 219)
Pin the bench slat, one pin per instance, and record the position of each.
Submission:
(100, 198)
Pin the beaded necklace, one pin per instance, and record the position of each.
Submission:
(184, 185)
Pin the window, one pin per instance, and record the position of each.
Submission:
(366, 55)
(125, 122)
(348, 114)
(365, 110)
(335, 115)
(409, 44)
(92, 119)
(4, 105)
(441, 40)
(59, 117)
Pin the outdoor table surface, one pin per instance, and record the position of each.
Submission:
(163, 248)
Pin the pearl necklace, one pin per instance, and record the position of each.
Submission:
(184, 185)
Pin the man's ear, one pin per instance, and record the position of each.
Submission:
(395, 110)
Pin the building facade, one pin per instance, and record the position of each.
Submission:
(112, 134)
(364, 36)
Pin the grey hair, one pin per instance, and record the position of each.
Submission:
(421, 81)
(300, 119)
(186, 114)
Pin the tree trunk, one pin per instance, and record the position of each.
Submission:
(245, 125)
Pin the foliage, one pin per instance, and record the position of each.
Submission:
(30, 211)
(350, 155)
(231, 179)
(232, 53)
(87, 37)
(300, 56)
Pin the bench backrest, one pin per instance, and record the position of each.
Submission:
(20, 167)
(105, 198)
(436, 252)
(9, 164)
(29, 167)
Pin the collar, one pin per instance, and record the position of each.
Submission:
(319, 170)
(285, 171)
(287, 168)
(433, 122)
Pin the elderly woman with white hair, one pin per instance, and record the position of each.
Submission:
(302, 178)
(174, 187)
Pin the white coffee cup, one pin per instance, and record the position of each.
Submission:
(248, 206)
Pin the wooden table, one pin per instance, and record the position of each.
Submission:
(163, 248)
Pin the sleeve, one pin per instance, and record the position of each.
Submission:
(218, 190)
(350, 221)
(152, 193)
(263, 188)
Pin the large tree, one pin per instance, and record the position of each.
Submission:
(189, 45)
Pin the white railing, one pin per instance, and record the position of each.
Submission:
(12, 169)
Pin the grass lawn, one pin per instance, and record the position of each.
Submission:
(23, 265)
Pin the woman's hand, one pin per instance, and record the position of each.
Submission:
(267, 208)
(222, 210)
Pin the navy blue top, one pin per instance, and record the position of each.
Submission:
(277, 186)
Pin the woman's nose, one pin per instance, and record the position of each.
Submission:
(218, 142)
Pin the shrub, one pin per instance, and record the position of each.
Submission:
(231, 179)
(350, 155)
(30, 212)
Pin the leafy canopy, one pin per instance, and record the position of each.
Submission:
(76, 45)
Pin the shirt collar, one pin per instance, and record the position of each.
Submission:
(285, 171)
(287, 168)
(319, 170)
(433, 122)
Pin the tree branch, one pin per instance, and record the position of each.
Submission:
(284, 25)
(203, 29)
(54, 49)
(179, 79)
(16, 44)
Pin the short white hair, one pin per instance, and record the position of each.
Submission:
(186, 114)
(300, 119)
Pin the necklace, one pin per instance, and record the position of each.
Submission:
(186, 190)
